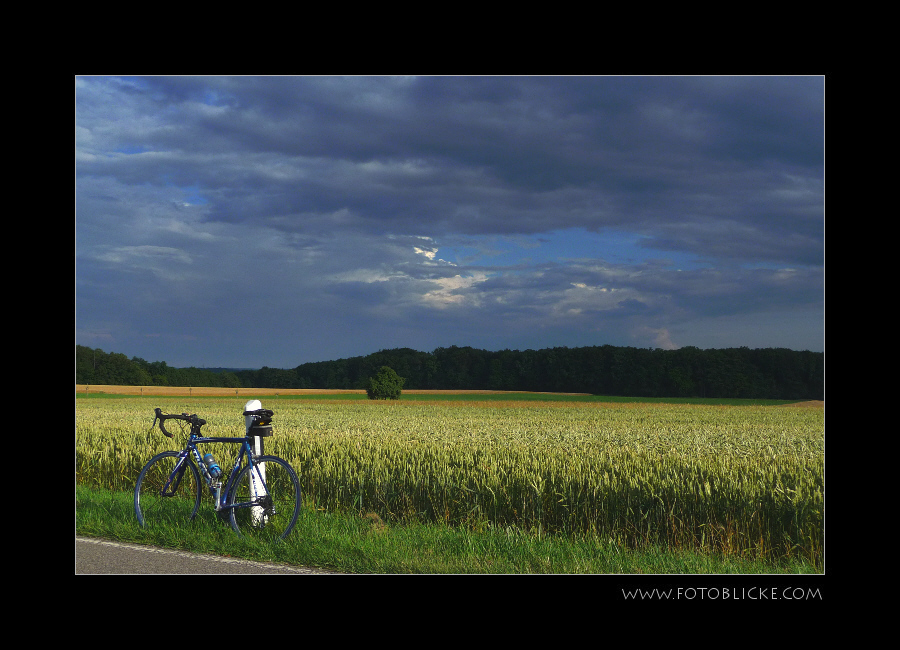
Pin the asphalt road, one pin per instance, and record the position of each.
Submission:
(99, 556)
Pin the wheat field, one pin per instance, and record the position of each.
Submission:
(743, 480)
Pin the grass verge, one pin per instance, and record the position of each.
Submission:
(364, 544)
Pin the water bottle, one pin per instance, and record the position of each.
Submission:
(212, 466)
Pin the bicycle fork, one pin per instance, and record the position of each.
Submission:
(171, 485)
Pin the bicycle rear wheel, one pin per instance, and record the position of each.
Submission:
(267, 499)
(161, 498)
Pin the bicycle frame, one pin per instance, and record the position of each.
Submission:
(215, 485)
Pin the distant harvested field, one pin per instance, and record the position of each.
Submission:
(196, 391)
(199, 391)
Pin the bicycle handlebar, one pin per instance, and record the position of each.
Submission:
(162, 417)
(262, 414)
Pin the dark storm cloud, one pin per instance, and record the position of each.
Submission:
(487, 155)
(347, 197)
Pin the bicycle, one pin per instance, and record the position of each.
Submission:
(260, 499)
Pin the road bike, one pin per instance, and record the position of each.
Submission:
(259, 498)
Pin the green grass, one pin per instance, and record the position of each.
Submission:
(363, 544)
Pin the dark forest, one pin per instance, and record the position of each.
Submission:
(765, 373)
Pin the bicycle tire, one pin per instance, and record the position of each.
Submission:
(153, 508)
(274, 519)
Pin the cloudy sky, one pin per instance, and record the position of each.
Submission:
(271, 221)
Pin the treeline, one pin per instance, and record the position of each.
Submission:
(94, 366)
(766, 373)
(769, 373)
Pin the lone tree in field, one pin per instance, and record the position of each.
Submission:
(386, 384)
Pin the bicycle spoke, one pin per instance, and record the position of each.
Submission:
(267, 500)
(157, 503)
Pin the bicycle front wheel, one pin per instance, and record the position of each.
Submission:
(266, 499)
(163, 496)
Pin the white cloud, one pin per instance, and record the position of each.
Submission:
(141, 256)
(429, 253)
(660, 337)
(447, 293)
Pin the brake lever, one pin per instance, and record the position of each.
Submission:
(158, 416)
